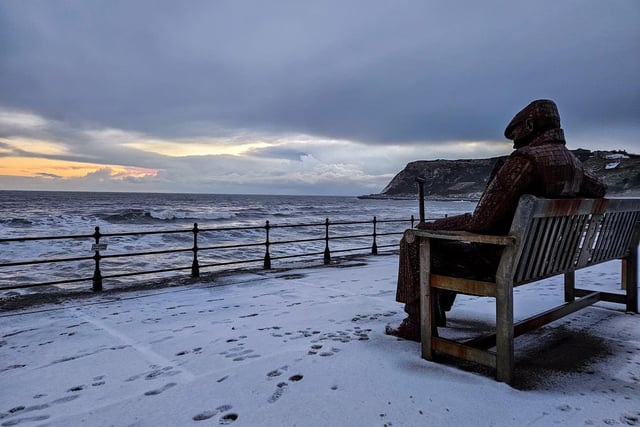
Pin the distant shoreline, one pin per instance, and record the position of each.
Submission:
(468, 198)
(415, 197)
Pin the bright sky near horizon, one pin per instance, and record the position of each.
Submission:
(289, 97)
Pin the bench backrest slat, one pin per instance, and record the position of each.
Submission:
(588, 240)
(609, 226)
(627, 219)
(560, 258)
(576, 238)
(561, 235)
(626, 222)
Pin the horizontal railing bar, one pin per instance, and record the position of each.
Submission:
(366, 221)
(145, 233)
(26, 239)
(242, 227)
(395, 245)
(303, 255)
(245, 261)
(371, 221)
(312, 224)
(32, 262)
(239, 245)
(56, 282)
(133, 254)
(330, 238)
(341, 223)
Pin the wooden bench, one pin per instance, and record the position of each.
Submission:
(548, 237)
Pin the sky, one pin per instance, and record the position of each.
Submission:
(306, 347)
(290, 97)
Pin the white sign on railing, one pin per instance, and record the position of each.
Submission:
(99, 247)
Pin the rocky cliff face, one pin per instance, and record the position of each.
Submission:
(466, 179)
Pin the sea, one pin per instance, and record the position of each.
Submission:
(222, 220)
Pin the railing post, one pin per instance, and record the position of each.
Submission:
(421, 182)
(327, 253)
(374, 247)
(97, 276)
(267, 257)
(195, 266)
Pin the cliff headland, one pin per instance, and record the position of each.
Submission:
(465, 179)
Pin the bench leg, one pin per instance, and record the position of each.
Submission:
(630, 279)
(504, 331)
(427, 301)
(569, 286)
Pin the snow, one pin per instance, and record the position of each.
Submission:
(612, 165)
(616, 156)
(306, 347)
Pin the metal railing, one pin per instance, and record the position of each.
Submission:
(313, 239)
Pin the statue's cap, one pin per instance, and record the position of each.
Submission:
(541, 111)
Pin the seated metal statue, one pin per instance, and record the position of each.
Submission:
(540, 165)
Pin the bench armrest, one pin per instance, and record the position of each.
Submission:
(460, 236)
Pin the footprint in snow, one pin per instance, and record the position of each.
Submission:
(159, 390)
(225, 419)
(282, 386)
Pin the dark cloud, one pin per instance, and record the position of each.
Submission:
(373, 71)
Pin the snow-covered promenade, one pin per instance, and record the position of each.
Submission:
(306, 347)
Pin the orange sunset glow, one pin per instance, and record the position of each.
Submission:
(36, 167)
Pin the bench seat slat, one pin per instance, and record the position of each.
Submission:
(466, 286)
(460, 236)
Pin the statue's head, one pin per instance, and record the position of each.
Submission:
(539, 116)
